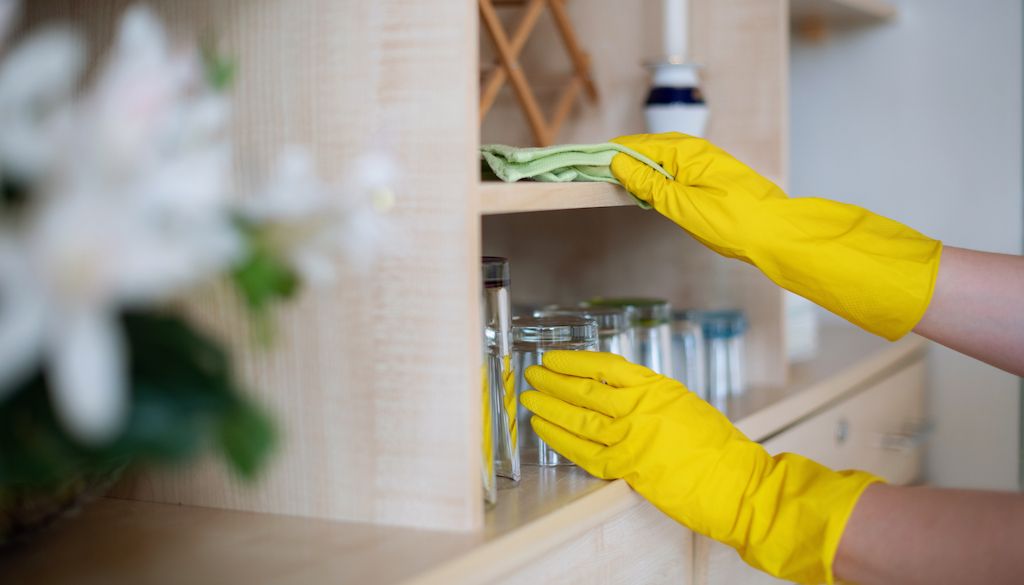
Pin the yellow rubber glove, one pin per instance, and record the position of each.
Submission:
(870, 270)
(783, 514)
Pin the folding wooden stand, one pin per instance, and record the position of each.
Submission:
(508, 68)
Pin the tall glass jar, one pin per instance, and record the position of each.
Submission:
(652, 330)
(613, 326)
(532, 338)
(488, 479)
(688, 359)
(498, 330)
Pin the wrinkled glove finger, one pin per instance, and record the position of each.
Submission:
(608, 368)
(581, 392)
(589, 455)
(584, 423)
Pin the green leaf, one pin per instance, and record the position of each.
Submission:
(184, 401)
(220, 69)
(247, 437)
(263, 278)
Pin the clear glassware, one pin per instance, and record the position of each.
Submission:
(737, 354)
(724, 335)
(613, 326)
(489, 480)
(716, 339)
(500, 380)
(651, 330)
(688, 349)
(532, 338)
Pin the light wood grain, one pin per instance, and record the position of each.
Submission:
(121, 541)
(358, 369)
(499, 198)
(843, 12)
(641, 545)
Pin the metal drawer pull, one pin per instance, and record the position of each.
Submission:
(914, 435)
(842, 431)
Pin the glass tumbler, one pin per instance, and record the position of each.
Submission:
(737, 354)
(613, 326)
(532, 338)
(498, 331)
(688, 352)
(651, 330)
(724, 334)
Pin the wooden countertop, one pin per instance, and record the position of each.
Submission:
(142, 543)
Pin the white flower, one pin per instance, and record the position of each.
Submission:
(132, 208)
(314, 224)
(22, 316)
(37, 81)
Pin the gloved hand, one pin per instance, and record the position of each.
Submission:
(783, 514)
(870, 270)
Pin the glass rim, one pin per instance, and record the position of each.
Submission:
(554, 330)
(647, 311)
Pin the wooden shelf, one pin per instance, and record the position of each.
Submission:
(121, 541)
(137, 542)
(842, 11)
(497, 197)
(127, 541)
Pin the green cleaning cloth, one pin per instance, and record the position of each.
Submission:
(563, 163)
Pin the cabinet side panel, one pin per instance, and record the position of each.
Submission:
(358, 370)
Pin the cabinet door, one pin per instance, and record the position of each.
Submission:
(875, 430)
(641, 545)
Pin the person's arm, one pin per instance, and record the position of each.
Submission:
(928, 536)
(978, 307)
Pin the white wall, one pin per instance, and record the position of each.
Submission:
(920, 120)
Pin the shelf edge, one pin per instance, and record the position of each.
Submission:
(503, 555)
(501, 198)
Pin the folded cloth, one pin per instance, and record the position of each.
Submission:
(563, 163)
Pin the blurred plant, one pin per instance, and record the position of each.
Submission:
(116, 199)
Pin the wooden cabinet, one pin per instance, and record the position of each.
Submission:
(375, 381)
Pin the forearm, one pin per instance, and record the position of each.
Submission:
(930, 536)
(978, 307)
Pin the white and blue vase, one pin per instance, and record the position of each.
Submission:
(676, 103)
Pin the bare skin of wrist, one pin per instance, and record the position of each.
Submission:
(911, 535)
(978, 307)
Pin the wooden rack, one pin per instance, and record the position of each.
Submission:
(509, 68)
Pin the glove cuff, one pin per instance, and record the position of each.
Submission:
(796, 517)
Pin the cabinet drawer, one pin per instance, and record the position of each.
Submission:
(877, 429)
(641, 545)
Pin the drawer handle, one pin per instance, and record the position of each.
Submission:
(914, 435)
(842, 431)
